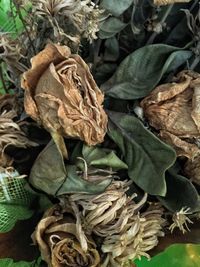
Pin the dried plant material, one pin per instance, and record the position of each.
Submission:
(11, 53)
(10, 132)
(62, 241)
(173, 108)
(181, 220)
(169, 2)
(136, 239)
(80, 17)
(115, 216)
(192, 169)
(61, 94)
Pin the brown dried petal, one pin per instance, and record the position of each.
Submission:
(58, 235)
(192, 169)
(62, 95)
(169, 2)
(173, 108)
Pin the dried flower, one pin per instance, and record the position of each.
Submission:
(173, 109)
(10, 132)
(61, 94)
(181, 220)
(169, 2)
(115, 217)
(137, 238)
(62, 241)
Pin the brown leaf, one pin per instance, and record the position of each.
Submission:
(174, 110)
(61, 94)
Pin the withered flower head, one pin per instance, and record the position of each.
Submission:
(61, 94)
(181, 220)
(139, 236)
(62, 241)
(169, 2)
(174, 110)
(10, 132)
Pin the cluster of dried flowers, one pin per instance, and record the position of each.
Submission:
(113, 227)
(68, 231)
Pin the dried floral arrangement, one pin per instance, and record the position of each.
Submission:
(99, 128)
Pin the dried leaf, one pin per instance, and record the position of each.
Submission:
(169, 2)
(62, 241)
(173, 108)
(61, 94)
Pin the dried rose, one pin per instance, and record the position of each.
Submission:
(174, 110)
(61, 94)
(62, 242)
(169, 2)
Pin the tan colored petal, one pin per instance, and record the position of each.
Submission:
(169, 2)
(183, 148)
(58, 237)
(192, 169)
(61, 94)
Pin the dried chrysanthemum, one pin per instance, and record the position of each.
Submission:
(61, 94)
(115, 217)
(108, 213)
(169, 2)
(173, 109)
(181, 220)
(62, 241)
(140, 235)
(10, 132)
(70, 19)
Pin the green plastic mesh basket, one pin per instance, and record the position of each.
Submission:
(15, 200)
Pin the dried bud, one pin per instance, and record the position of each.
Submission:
(173, 109)
(62, 241)
(61, 94)
(169, 2)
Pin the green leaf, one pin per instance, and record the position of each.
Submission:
(11, 263)
(180, 193)
(49, 174)
(76, 184)
(110, 27)
(111, 49)
(116, 7)
(183, 255)
(95, 156)
(142, 70)
(147, 156)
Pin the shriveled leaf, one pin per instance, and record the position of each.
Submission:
(116, 7)
(169, 2)
(147, 157)
(110, 27)
(141, 71)
(180, 193)
(76, 184)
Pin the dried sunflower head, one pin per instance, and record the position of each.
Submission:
(62, 241)
(173, 109)
(61, 94)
